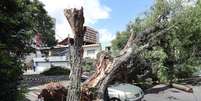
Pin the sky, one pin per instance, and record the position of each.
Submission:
(106, 16)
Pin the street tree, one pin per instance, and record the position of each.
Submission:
(17, 28)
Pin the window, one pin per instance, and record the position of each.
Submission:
(91, 51)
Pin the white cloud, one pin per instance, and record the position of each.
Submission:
(93, 11)
(105, 37)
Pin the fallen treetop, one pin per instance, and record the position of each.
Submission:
(108, 68)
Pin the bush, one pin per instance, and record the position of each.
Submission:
(22, 90)
(10, 76)
(88, 65)
(184, 71)
(56, 71)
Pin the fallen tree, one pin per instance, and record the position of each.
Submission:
(108, 68)
(95, 88)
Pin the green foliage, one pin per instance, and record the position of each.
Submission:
(175, 54)
(88, 65)
(22, 90)
(157, 56)
(56, 71)
(17, 24)
(120, 41)
(10, 72)
(122, 37)
(43, 23)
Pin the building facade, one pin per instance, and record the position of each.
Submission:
(90, 51)
(90, 36)
(47, 57)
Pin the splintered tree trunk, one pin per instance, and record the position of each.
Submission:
(76, 20)
(107, 68)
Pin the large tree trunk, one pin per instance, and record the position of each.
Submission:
(76, 20)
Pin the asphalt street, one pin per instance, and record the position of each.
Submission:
(156, 93)
(163, 93)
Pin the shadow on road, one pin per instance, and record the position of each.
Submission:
(156, 90)
(194, 81)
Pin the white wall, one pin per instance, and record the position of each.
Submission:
(44, 63)
(91, 50)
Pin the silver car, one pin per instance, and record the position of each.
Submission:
(125, 92)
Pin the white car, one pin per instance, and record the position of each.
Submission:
(125, 92)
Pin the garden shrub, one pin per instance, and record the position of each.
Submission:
(56, 70)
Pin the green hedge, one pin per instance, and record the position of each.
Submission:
(56, 71)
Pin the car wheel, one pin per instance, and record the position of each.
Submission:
(115, 99)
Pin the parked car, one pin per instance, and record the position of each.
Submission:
(122, 91)
(125, 92)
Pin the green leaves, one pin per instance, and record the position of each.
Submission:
(17, 22)
(88, 65)
(175, 54)
(120, 41)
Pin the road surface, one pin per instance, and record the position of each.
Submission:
(163, 93)
(156, 93)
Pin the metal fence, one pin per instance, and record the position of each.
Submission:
(34, 80)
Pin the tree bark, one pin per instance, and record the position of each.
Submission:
(183, 87)
(76, 20)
